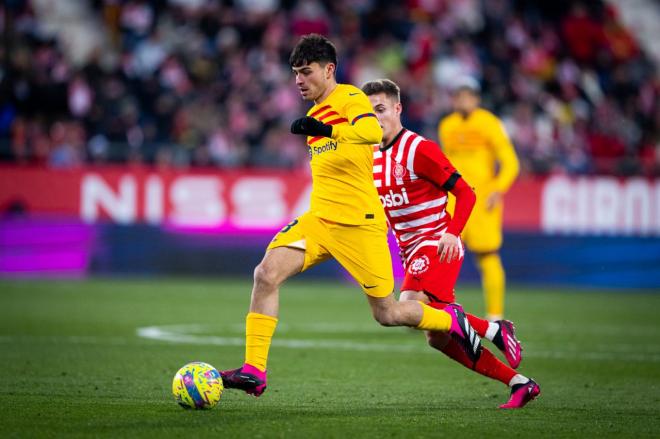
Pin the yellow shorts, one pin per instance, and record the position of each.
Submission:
(483, 231)
(361, 249)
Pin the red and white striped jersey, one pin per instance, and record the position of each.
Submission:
(412, 176)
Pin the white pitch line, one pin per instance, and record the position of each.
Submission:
(198, 335)
(283, 328)
(350, 327)
(157, 333)
(170, 334)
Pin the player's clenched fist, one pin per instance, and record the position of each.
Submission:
(311, 127)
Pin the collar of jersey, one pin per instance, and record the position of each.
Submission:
(389, 145)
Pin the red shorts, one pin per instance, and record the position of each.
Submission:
(426, 273)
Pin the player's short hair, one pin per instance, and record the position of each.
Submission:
(385, 86)
(313, 48)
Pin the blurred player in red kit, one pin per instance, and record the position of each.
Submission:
(413, 177)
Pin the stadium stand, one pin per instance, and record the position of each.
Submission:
(205, 83)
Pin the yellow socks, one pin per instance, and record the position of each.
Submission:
(492, 279)
(259, 330)
(434, 319)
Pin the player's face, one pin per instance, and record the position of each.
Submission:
(388, 112)
(313, 79)
(465, 101)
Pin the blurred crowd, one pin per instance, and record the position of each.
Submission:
(207, 83)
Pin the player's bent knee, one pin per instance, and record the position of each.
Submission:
(386, 318)
(386, 321)
(265, 276)
(386, 310)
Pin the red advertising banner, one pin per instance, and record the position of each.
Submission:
(601, 205)
(222, 199)
(247, 200)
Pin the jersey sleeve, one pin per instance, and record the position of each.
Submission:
(431, 164)
(505, 154)
(465, 199)
(362, 126)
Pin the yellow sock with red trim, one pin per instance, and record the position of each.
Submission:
(259, 330)
(434, 319)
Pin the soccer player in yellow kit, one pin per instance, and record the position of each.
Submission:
(475, 141)
(345, 220)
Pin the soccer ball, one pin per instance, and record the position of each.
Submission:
(197, 385)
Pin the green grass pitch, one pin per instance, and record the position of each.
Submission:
(96, 358)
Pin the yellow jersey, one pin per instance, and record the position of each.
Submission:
(479, 147)
(343, 189)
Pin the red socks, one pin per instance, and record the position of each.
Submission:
(479, 325)
(487, 365)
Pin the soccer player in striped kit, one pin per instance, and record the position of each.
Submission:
(413, 177)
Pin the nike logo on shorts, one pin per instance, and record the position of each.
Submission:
(368, 287)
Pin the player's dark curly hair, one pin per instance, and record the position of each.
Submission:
(386, 86)
(313, 48)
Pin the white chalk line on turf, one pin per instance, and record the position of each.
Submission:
(198, 334)
(238, 329)
(373, 328)
(167, 334)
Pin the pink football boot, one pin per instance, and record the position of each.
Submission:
(247, 378)
(521, 394)
(506, 341)
(463, 332)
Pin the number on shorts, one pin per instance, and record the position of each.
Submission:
(288, 226)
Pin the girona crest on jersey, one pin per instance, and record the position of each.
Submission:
(399, 170)
(419, 265)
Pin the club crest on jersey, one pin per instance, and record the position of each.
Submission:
(395, 199)
(399, 171)
(418, 265)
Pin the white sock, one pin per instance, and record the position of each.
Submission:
(518, 379)
(491, 332)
